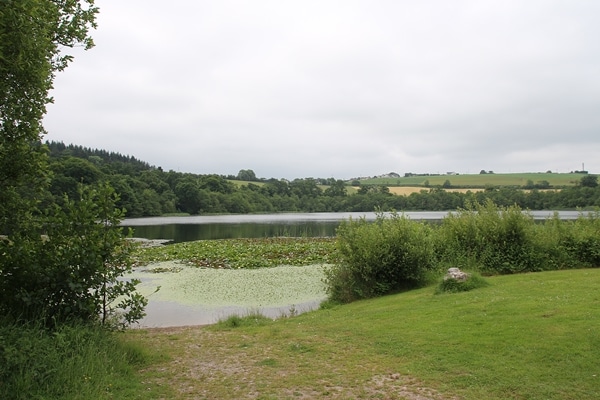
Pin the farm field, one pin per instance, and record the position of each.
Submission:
(407, 190)
(459, 183)
(480, 180)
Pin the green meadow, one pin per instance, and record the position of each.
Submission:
(556, 180)
(528, 336)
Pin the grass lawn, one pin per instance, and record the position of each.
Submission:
(530, 336)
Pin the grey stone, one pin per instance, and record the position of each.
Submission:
(457, 274)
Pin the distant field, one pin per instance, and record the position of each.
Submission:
(480, 180)
(407, 190)
(245, 183)
(459, 183)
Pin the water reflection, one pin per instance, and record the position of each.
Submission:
(189, 232)
(203, 227)
(206, 227)
(166, 313)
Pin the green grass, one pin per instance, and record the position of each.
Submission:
(529, 336)
(481, 180)
(475, 281)
(73, 362)
(253, 318)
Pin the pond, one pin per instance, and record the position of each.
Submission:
(199, 296)
(167, 307)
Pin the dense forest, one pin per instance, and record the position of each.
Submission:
(146, 190)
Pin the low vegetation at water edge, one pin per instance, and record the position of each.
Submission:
(396, 253)
(525, 336)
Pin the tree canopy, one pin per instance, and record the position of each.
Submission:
(62, 255)
(33, 37)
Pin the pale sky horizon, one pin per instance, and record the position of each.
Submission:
(295, 89)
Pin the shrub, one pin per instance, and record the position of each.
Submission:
(69, 265)
(454, 285)
(491, 239)
(379, 257)
(571, 244)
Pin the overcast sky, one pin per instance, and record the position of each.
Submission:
(307, 88)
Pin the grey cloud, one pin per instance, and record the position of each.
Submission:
(337, 88)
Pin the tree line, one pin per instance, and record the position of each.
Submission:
(145, 190)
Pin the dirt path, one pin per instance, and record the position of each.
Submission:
(212, 364)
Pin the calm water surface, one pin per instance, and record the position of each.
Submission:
(206, 227)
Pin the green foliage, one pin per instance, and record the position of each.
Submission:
(33, 38)
(490, 239)
(378, 258)
(337, 188)
(571, 244)
(246, 175)
(474, 281)
(254, 318)
(71, 362)
(71, 268)
(245, 253)
(390, 254)
(589, 181)
(147, 191)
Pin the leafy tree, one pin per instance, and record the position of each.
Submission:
(72, 271)
(277, 187)
(336, 188)
(238, 203)
(63, 262)
(216, 183)
(188, 193)
(79, 169)
(33, 36)
(543, 184)
(155, 180)
(246, 175)
(589, 181)
(128, 198)
(374, 189)
(305, 187)
(150, 201)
